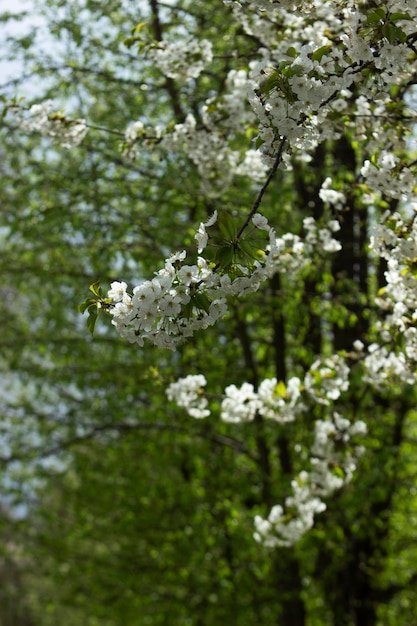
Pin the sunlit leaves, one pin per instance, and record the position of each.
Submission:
(93, 305)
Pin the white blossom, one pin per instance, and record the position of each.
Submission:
(201, 235)
(187, 393)
(182, 60)
(280, 403)
(42, 119)
(239, 404)
(327, 378)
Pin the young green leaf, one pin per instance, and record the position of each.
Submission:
(96, 289)
(227, 225)
(86, 304)
(225, 256)
(92, 318)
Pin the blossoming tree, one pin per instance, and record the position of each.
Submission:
(269, 150)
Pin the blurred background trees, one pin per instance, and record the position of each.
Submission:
(118, 508)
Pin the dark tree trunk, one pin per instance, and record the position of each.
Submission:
(289, 588)
(350, 265)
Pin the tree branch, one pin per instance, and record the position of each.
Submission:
(169, 82)
(262, 191)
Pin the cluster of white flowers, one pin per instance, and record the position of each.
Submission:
(137, 134)
(182, 299)
(171, 306)
(299, 88)
(272, 400)
(239, 405)
(285, 525)
(230, 112)
(252, 166)
(327, 378)
(388, 176)
(42, 119)
(132, 134)
(333, 453)
(182, 60)
(321, 238)
(298, 91)
(333, 461)
(215, 160)
(324, 382)
(207, 143)
(294, 104)
(187, 393)
(330, 196)
(395, 357)
(384, 367)
(279, 402)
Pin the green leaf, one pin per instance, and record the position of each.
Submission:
(201, 301)
(86, 304)
(320, 52)
(269, 84)
(280, 389)
(338, 471)
(258, 142)
(129, 42)
(249, 248)
(187, 309)
(226, 225)
(393, 33)
(376, 16)
(285, 88)
(96, 289)
(92, 318)
(400, 16)
(225, 256)
(138, 28)
(136, 36)
(292, 52)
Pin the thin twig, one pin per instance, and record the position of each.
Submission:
(60, 446)
(261, 193)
